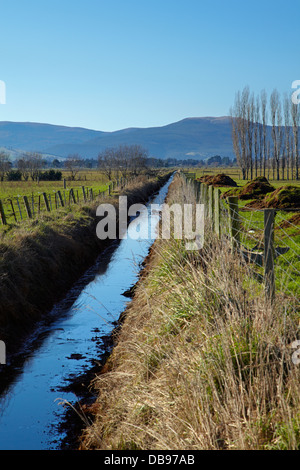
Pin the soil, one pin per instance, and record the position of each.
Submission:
(254, 189)
(285, 197)
(219, 180)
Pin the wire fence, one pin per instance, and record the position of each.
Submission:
(23, 207)
(268, 240)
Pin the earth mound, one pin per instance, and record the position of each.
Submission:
(218, 180)
(285, 197)
(256, 188)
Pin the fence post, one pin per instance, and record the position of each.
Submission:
(72, 196)
(269, 216)
(19, 208)
(13, 209)
(234, 222)
(27, 207)
(46, 202)
(3, 218)
(204, 199)
(83, 192)
(60, 199)
(217, 211)
(211, 205)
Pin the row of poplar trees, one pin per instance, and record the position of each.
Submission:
(265, 134)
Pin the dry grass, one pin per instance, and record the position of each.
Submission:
(200, 361)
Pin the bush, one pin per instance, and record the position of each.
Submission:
(14, 175)
(50, 175)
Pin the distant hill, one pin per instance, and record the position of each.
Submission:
(196, 138)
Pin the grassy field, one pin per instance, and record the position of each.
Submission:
(286, 233)
(12, 193)
(236, 174)
(95, 179)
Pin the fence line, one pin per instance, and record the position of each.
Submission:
(229, 222)
(19, 208)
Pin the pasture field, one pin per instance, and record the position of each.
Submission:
(236, 174)
(286, 230)
(12, 193)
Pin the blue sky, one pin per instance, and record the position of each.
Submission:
(109, 65)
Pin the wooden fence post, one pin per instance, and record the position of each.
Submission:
(13, 209)
(46, 202)
(2, 214)
(217, 211)
(19, 208)
(199, 191)
(32, 204)
(234, 222)
(269, 277)
(27, 207)
(83, 192)
(204, 199)
(60, 199)
(211, 205)
(72, 196)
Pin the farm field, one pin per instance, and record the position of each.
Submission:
(251, 219)
(236, 174)
(12, 193)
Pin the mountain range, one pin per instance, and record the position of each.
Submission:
(196, 138)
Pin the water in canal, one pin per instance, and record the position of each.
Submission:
(68, 343)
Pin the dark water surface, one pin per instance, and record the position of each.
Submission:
(68, 343)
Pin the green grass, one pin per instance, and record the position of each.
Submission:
(12, 193)
(287, 266)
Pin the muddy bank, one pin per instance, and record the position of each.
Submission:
(39, 267)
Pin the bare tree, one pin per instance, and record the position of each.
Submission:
(5, 165)
(30, 165)
(73, 164)
(124, 160)
(263, 100)
(107, 162)
(295, 115)
(277, 132)
(287, 137)
(242, 115)
(257, 136)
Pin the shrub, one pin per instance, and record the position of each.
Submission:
(51, 175)
(14, 175)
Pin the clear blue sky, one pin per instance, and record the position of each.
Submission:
(113, 64)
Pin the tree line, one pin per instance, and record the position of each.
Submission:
(123, 160)
(265, 134)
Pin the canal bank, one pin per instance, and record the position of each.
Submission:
(64, 347)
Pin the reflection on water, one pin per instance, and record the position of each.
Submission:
(68, 343)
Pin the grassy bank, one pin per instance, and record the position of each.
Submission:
(42, 258)
(200, 360)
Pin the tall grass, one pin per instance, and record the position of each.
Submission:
(200, 361)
